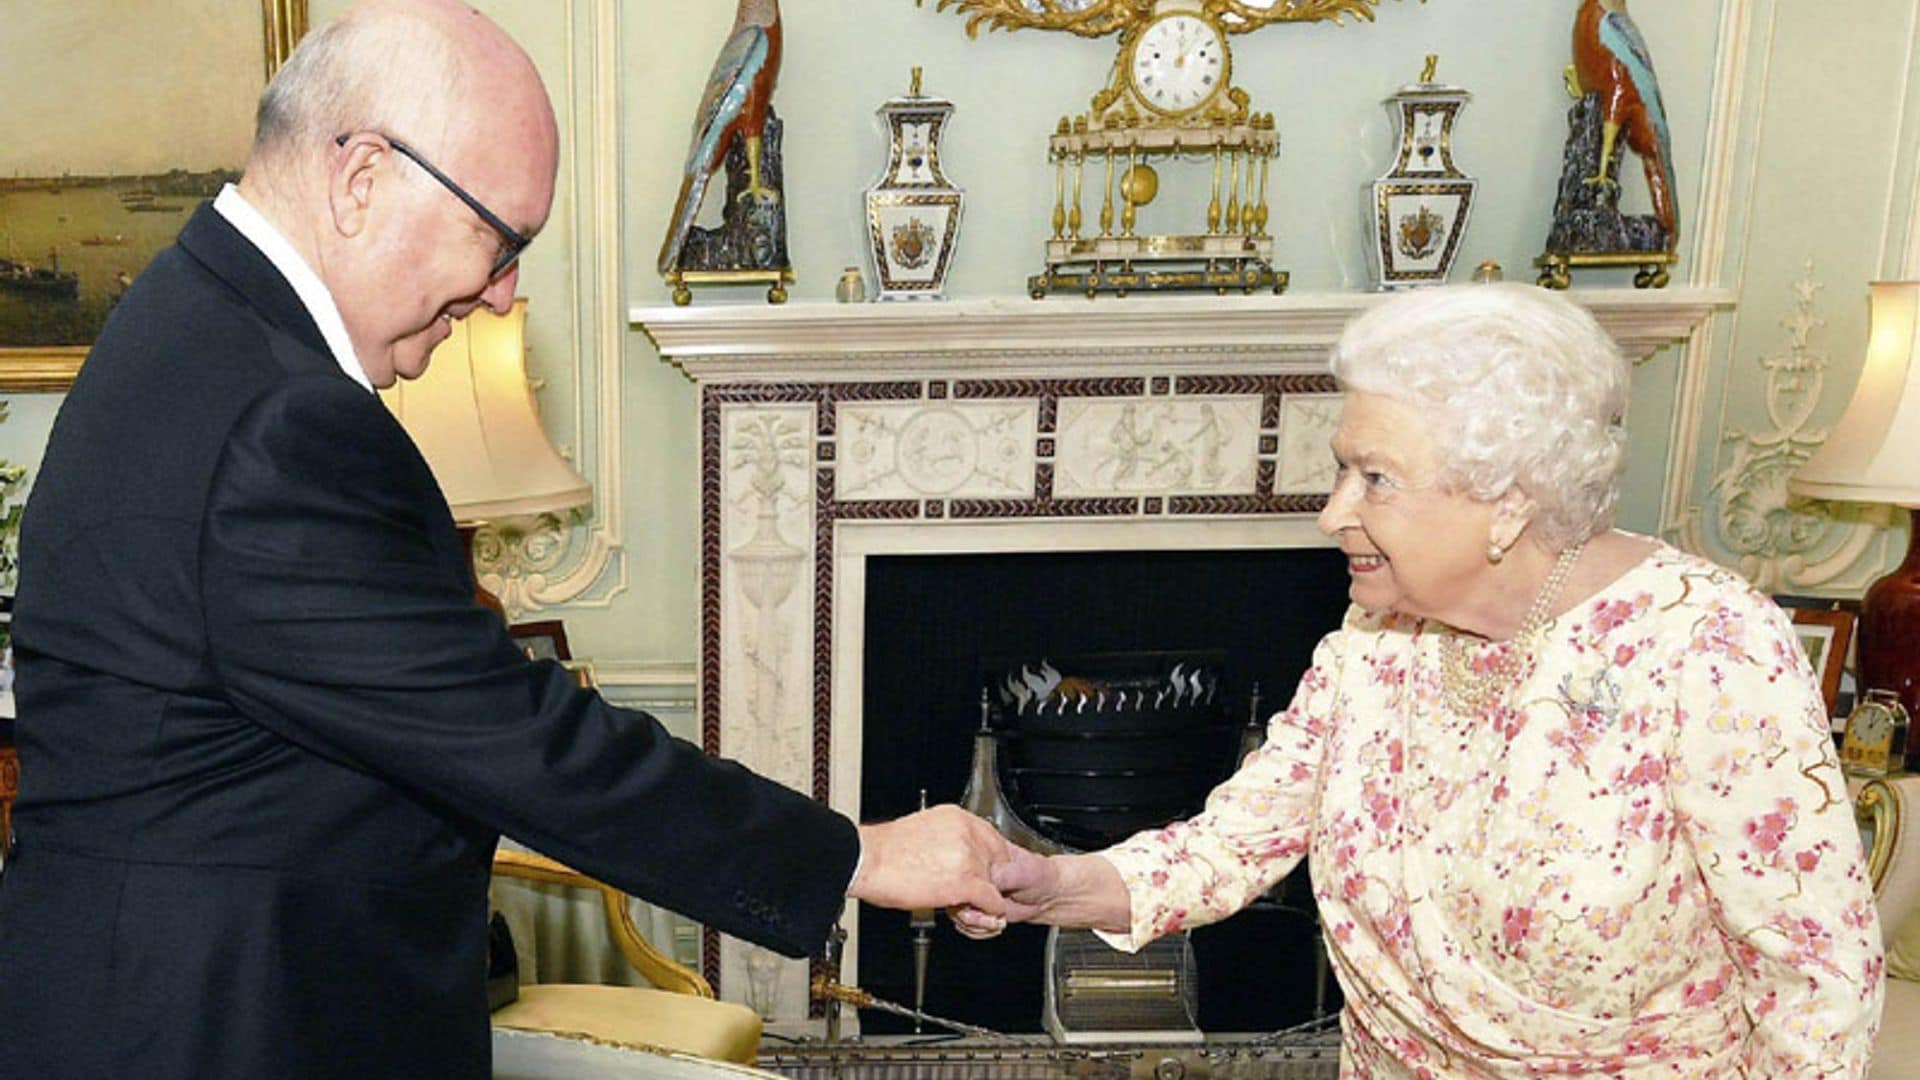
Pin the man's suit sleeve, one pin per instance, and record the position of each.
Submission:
(338, 618)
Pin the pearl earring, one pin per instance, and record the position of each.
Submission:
(1495, 552)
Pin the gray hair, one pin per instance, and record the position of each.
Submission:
(1522, 387)
(390, 72)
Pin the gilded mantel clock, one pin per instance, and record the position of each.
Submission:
(1170, 102)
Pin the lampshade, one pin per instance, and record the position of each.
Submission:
(1872, 455)
(473, 416)
(1871, 458)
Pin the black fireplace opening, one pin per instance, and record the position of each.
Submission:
(942, 629)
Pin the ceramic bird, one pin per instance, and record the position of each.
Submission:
(1610, 58)
(734, 105)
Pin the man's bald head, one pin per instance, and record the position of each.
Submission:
(352, 131)
(416, 67)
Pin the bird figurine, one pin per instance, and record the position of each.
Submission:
(735, 105)
(1610, 59)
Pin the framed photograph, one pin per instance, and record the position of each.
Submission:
(543, 640)
(121, 119)
(1825, 633)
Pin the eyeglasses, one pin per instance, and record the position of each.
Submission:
(512, 243)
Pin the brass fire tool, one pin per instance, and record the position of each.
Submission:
(825, 989)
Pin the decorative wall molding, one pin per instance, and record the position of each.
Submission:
(534, 565)
(1780, 542)
(1728, 125)
(513, 560)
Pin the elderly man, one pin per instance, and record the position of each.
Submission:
(269, 740)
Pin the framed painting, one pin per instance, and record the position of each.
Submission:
(542, 640)
(120, 119)
(1825, 633)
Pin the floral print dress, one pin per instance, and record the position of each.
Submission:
(1642, 863)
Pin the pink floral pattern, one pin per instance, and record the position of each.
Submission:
(1643, 865)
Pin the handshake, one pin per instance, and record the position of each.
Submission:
(945, 857)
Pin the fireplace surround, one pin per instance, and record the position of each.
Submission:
(834, 434)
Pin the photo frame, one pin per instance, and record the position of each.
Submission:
(545, 639)
(89, 201)
(1825, 634)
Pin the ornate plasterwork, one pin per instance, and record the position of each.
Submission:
(767, 489)
(1783, 543)
(1132, 446)
(764, 545)
(949, 450)
(1306, 423)
(515, 561)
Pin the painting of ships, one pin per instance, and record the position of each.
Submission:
(147, 202)
(39, 281)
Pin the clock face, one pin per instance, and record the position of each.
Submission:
(1179, 62)
(1873, 725)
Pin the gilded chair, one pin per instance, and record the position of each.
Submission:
(1889, 815)
(678, 1013)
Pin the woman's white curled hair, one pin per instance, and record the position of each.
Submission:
(1522, 387)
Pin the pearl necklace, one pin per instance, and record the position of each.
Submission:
(1473, 686)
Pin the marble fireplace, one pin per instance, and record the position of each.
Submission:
(834, 434)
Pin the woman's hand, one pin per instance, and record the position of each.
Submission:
(1029, 883)
(1059, 890)
(1026, 882)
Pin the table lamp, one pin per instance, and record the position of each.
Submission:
(1869, 459)
(473, 416)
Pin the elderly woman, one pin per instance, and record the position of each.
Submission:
(1569, 794)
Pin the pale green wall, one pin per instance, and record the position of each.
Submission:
(1324, 84)
(1818, 175)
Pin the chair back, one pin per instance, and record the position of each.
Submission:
(657, 967)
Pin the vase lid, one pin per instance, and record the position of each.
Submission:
(915, 101)
(1429, 86)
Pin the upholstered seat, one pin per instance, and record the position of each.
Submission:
(678, 1014)
(530, 1055)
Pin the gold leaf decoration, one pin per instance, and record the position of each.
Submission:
(1086, 18)
(1239, 16)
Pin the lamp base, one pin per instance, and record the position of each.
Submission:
(1890, 628)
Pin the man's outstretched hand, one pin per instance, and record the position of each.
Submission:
(940, 857)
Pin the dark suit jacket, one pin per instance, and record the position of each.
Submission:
(268, 740)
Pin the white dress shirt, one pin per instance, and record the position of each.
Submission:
(313, 294)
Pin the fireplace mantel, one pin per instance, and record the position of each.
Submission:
(831, 433)
(762, 341)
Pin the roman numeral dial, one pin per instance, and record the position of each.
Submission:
(1178, 63)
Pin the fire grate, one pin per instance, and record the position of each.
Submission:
(1101, 746)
